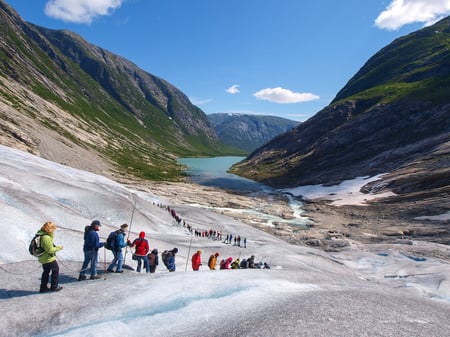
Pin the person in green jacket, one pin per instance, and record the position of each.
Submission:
(48, 258)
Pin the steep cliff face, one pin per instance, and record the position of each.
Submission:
(248, 132)
(140, 93)
(59, 95)
(392, 116)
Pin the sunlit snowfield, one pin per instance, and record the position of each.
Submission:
(307, 292)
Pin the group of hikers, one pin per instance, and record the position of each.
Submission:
(228, 263)
(115, 242)
(210, 234)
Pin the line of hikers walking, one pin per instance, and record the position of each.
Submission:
(210, 234)
(228, 263)
(115, 242)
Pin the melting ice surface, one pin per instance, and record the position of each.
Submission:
(305, 292)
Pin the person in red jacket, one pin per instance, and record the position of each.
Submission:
(197, 260)
(142, 249)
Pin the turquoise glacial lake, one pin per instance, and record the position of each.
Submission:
(213, 172)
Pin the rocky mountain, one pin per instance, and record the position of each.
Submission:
(248, 132)
(75, 103)
(392, 117)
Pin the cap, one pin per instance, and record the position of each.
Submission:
(124, 227)
(175, 250)
(95, 223)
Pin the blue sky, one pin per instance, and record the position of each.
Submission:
(286, 58)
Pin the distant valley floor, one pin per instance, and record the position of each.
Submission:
(331, 228)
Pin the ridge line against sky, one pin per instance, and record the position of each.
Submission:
(285, 58)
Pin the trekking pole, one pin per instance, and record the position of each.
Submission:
(104, 262)
(129, 230)
(189, 252)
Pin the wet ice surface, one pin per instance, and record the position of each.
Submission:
(358, 292)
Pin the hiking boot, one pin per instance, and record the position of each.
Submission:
(119, 271)
(44, 290)
(56, 289)
(81, 277)
(110, 270)
(95, 277)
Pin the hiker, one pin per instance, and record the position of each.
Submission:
(251, 262)
(213, 261)
(196, 260)
(225, 264)
(222, 264)
(48, 258)
(141, 252)
(90, 249)
(235, 264)
(153, 260)
(266, 266)
(243, 264)
(168, 257)
(118, 243)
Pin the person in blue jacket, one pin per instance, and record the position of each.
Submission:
(117, 250)
(169, 259)
(90, 249)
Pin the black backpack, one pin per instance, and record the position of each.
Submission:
(165, 257)
(111, 241)
(35, 248)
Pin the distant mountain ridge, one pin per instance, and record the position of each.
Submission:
(70, 101)
(392, 117)
(248, 132)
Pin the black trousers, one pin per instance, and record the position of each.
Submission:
(53, 268)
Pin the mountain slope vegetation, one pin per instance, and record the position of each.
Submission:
(392, 117)
(75, 103)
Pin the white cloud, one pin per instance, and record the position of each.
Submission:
(403, 12)
(280, 95)
(234, 89)
(80, 11)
